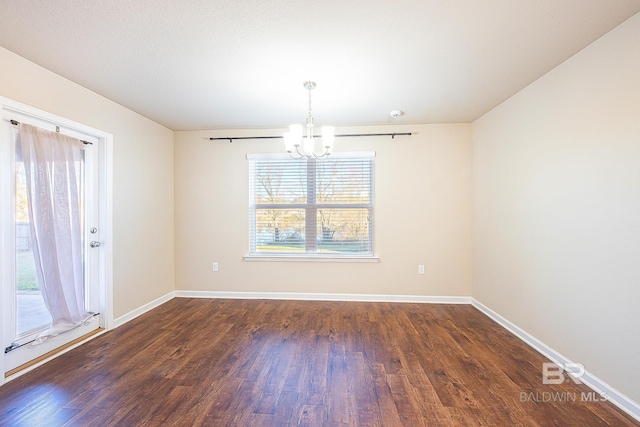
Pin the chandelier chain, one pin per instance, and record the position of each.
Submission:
(310, 100)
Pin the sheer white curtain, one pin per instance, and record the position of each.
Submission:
(53, 165)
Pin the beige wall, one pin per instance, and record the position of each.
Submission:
(422, 216)
(142, 177)
(556, 208)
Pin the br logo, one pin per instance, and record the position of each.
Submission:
(553, 373)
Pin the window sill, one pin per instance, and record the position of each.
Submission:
(310, 258)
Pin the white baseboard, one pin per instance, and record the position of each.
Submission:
(614, 396)
(143, 309)
(596, 384)
(325, 297)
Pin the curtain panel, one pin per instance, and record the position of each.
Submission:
(54, 166)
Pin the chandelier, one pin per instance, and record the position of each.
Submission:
(295, 138)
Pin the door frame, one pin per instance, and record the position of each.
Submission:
(104, 149)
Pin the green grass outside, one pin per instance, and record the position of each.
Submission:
(334, 247)
(280, 248)
(26, 272)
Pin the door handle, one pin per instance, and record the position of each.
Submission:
(94, 244)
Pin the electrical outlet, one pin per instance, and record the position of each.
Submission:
(420, 269)
(215, 266)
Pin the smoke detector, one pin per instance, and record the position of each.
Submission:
(396, 113)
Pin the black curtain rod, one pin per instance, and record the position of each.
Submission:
(16, 123)
(392, 135)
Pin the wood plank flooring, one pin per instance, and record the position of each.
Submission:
(194, 362)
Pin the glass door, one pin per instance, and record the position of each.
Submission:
(25, 312)
(31, 314)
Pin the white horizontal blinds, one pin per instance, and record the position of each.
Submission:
(279, 201)
(344, 181)
(346, 231)
(281, 182)
(344, 202)
(311, 207)
(280, 230)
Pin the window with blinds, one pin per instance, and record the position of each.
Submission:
(311, 207)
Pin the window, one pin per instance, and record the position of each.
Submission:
(308, 207)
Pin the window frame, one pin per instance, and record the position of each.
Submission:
(311, 208)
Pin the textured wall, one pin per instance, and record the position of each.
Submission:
(556, 208)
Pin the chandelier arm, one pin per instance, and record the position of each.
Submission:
(299, 153)
(323, 156)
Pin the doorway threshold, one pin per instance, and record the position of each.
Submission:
(32, 364)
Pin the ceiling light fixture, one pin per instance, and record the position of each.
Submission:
(294, 138)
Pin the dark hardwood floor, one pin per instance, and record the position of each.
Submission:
(279, 363)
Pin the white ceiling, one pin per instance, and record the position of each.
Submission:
(198, 64)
